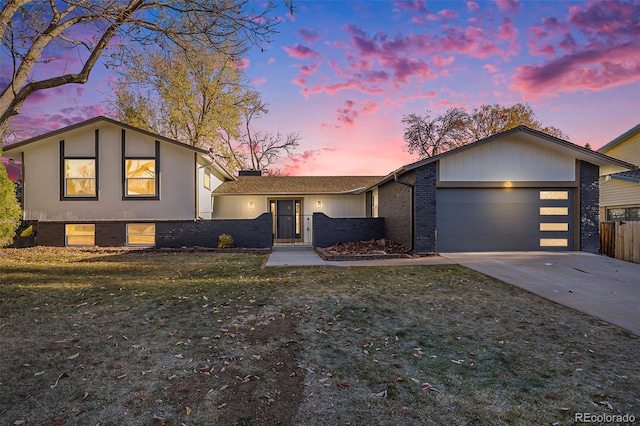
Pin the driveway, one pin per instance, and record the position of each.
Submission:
(599, 286)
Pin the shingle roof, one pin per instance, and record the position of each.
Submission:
(282, 185)
(630, 176)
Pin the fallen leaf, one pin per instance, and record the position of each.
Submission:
(382, 394)
(57, 421)
(607, 404)
(551, 397)
(222, 405)
(188, 410)
(74, 356)
(429, 387)
(39, 373)
(19, 422)
(344, 385)
(85, 396)
(61, 376)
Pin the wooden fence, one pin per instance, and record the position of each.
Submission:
(620, 240)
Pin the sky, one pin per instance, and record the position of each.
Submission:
(344, 73)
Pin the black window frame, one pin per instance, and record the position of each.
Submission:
(156, 176)
(63, 176)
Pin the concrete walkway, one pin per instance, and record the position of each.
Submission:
(605, 288)
(306, 256)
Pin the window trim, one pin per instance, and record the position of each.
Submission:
(125, 158)
(63, 175)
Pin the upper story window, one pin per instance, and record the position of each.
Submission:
(79, 169)
(140, 177)
(140, 169)
(80, 177)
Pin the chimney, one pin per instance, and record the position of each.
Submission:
(250, 173)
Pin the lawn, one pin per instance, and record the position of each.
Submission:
(111, 337)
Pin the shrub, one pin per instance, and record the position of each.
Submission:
(225, 241)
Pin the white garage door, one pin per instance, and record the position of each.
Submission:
(497, 219)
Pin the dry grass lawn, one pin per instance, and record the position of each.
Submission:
(125, 337)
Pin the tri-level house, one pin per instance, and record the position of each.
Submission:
(102, 182)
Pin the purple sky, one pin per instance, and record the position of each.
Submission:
(343, 74)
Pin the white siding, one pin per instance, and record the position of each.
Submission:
(507, 160)
(237, 206)
(42, 178)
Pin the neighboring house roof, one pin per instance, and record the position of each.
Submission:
(626, 135)
(528, 134)
(290, 185)
(630, 176)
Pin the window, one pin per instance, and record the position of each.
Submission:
(80, 177)
(79, 235)
(207, 179)
(623, 213)
(141, 234)
(140, 177)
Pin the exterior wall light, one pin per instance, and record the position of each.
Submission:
(251, 205)
(319, 204)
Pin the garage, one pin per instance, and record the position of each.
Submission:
(504, 219)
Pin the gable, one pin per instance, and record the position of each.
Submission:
(626, 147)
(508, 159)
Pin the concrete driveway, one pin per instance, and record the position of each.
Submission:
(599, 286)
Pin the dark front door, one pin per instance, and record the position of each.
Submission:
(286, 216)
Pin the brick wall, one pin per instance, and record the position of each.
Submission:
(250, 233)
(394, 205)
(425, 209)
(329, 231)
(589, 207)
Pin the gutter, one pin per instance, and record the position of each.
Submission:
(411, 213)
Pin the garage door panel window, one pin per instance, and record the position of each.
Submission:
(548, 226)
(554, 211)
(554, 195)
(554, 242)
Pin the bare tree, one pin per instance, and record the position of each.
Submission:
(428, 137)
(35, 32)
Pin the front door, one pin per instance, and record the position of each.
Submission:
(285, 220)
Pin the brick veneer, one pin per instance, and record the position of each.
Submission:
(589, 207)
(425, 209)
(394, 205)
(328, 231)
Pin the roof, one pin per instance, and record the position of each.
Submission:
(93, 121)
(529, 135)
(620, 138)
(290, 185)
(630, 176)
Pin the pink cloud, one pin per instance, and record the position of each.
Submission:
(259, 81)
(447, 13)
(309, 35)
(508, 6)
(590, 69)
(350, 112)
(418, 6)
(472, 6)
(294, 164)
(302, 52)
(491, 68)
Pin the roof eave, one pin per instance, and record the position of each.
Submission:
(620, 138)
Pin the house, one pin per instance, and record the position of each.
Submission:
(515, 191)
(293, 201)
(620, 192)
(102, 182)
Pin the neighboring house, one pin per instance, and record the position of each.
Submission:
(620, 192)
(292, 201)
(517, 190)
(102, 182)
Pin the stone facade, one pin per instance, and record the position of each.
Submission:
(589, 207)
(329, 231)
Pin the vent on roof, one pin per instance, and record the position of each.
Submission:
(250, 173)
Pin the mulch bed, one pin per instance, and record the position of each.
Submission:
(363, 250)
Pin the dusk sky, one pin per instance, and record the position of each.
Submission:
(343, 74)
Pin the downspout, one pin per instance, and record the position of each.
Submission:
(411, 213)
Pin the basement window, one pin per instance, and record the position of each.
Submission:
(141, 234)
(79, 235)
